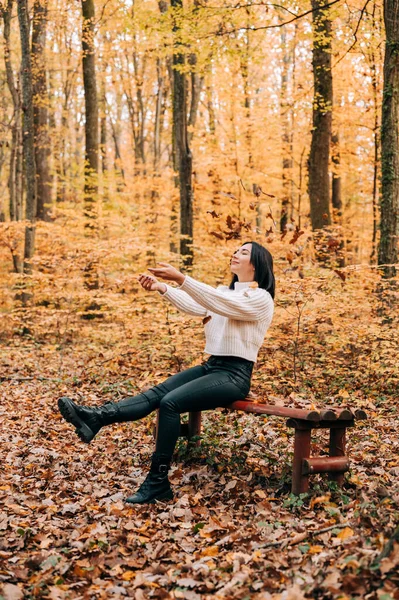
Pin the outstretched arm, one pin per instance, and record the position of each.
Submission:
(252, 305)
(178, 298)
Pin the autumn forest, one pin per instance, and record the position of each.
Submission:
(134, 132)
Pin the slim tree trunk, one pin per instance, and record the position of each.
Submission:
(141, 113)
(158, 110)
(319, 185)
(11, 176)
(116, 137)
(28, 136)
(197, 82)
(19, 171)
(245, 57)
(286, 136)
(136, 106)
(91, 111)
(42, 142)
(153, 212)
(104, 154)
(211, 110)
(336, 195)
(184, 158)
(104, 138)
(15, 165)
(62, 153)
(2, 161)
(376, 136)
(388, 248)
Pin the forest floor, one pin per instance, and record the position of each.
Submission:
(233, 529)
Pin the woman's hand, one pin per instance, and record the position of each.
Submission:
(165, 271)
(150, 284)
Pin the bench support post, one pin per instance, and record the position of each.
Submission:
(194, 425)
(300, 481)
(337, 448)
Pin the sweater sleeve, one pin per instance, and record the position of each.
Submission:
(184, 302)
(253, 305)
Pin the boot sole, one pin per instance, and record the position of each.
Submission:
(166, 496)
(69, 413)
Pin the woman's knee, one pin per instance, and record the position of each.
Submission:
(169, 403)
(155, 393)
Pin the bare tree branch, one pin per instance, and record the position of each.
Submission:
(223, 32)
(354, 35)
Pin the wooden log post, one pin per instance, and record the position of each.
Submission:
(194, 424)
(337, 448)
(187, 430)
(300, 480)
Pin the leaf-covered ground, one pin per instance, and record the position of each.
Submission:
(233, 529)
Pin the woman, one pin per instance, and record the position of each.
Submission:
(236, 320)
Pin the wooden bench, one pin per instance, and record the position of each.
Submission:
(337, 420)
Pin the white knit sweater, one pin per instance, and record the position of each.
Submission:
(239, 317)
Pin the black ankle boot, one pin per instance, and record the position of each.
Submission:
(88, 421)
(156, 485)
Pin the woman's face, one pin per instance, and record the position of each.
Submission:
(241, 265)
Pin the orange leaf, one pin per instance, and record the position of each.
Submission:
(345, 533)
(210, 551)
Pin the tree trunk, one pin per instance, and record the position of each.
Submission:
(28, 138)
(336, 196)
(42, 142)
(116, 137)
(15, 165)
(286, 135)
(104, 156)
(91, 112)
(153, 213)
(11, 176)
(244, 67)
(62, 156)
(136, 106)
(197, 82)
(2, 161)
(183, 158)
(211, 110)
(158, 110)
(104, 137)
(389, 203)
(319, 185)
(141, 113)
(376, 136)
(19, 172)
(104, 140)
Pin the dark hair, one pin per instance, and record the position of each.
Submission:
(262, 260)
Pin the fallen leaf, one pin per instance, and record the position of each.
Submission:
(210, 551)
(12, 592)
(345, 533)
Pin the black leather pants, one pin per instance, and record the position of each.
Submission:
(216, 383)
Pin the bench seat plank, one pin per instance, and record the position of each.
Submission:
(271, 409)
(326, 414)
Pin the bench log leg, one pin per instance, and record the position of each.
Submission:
(300, 482)
(194, 425)
(187, 430)
(337, 448)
